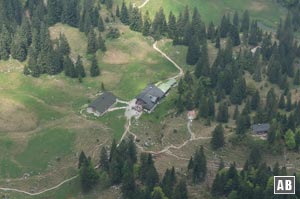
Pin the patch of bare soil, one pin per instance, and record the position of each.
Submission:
(114, 56)
(14, 117)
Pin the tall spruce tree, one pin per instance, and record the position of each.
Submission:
(218, 139)
(94, 70)
(223, 113)
(193, 51)
(79, 67)
(92, 44)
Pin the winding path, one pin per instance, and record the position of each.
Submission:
(41, 192)
(145, 3)
(181, 73)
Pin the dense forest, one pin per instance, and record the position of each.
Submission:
(243, 49)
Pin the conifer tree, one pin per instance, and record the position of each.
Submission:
(245, 24)
(255, 101)
(168, 182)
(158, 194)
(172, 25)
(92, 44)
(100, 25)
(5, 41)
(271, 104)
(199, 169)
(128, 181)
(101, 43)
(64, 46)
(223, 113)
(79, 67)
(159, 24)
(70, 13)
(289, 102)
(88, 176)
(181, 191)
(147, 24)
(95, 71)
(297, 78)
(193, 51)
(124, 15)
(69, 68)
(281, 103)
(136, 22)
(117, 11)
(211, 32)
(54, 11)
(218, 139)
(104, 161)
(224, 27)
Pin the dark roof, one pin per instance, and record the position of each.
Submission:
(150, 96)
(103, 102)
(261, 127)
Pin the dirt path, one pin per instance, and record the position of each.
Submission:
(145, 3)
(41, 192)
(127, 129)
(181, 73)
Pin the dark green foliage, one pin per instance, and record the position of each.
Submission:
(104, 161)
(211, 32)
(88, 176)
(202, 67)
(54, 8)
(136, 22)
(147, 24)
(218, 45)
(79, 68)
(101, 26)
(271, 104)
(222, 115)
(297, 78)
(82, 160)
(236, 113)
(168, 182)
(172, 31)
(254, 157)
(158, 194)
(159, 24)
(193, 52)
(128, 181)
(109, 4)
(113, 33)
(181, 191)
(69, 68)
(255, 100)
(64, 47)
(124, 16)
(225, 26)
(117, 11)
(5, 41)
(94, 70)
(198, 167)
(255, 34)
(19, 45)
(92, 44)
(245, 24)
(281, 103)
(101, 43)
(238, 92)
(70, 12)
(234, 35)
(289, 102)
(218, 139)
